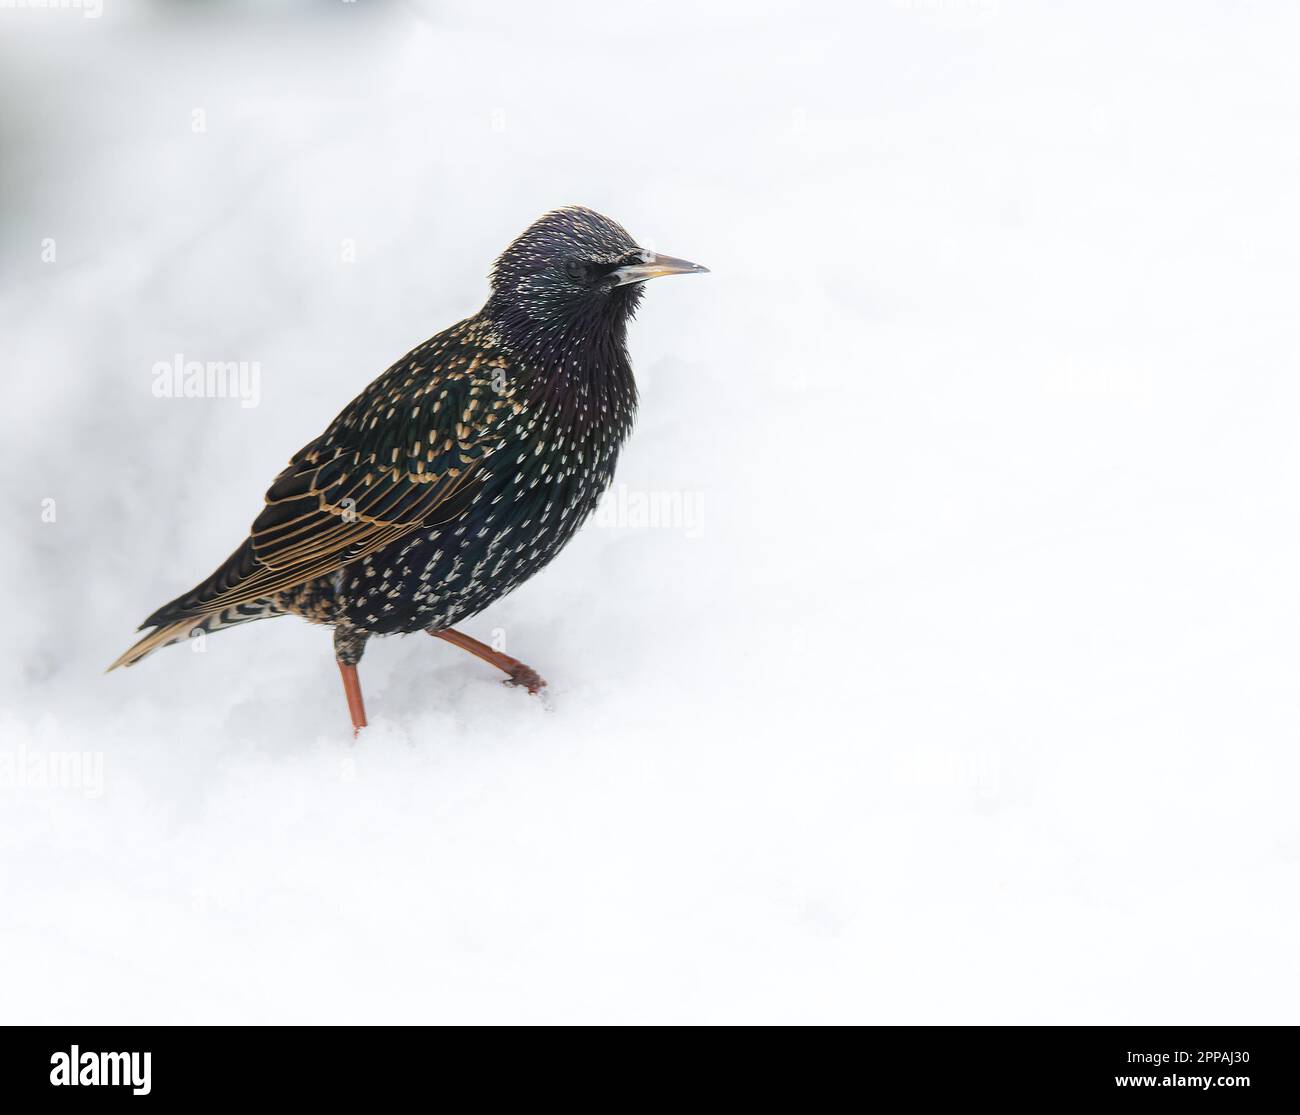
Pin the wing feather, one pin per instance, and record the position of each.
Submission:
(407, 453)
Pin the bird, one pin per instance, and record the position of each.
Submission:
(459, 472)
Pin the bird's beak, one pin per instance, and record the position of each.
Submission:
(653, 266)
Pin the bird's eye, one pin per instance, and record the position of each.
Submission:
(577, 269)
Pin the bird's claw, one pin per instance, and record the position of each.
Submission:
(529, 678)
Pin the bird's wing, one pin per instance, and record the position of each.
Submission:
(404, 454)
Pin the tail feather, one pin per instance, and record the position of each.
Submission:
(180, 630)
(162, 637)
(197, 603)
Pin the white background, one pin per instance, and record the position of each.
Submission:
(973, 697)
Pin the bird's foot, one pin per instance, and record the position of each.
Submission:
(517, 673)
(526, 676)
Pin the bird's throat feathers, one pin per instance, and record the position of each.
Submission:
(571, 357)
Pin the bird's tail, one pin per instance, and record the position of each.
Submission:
(180, 630)
(161, 637)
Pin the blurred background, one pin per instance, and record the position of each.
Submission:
(959, 686)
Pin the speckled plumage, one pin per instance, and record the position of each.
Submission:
(459, 472)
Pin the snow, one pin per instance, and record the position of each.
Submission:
(961, 687)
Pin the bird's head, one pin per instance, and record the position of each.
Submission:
(574, 269)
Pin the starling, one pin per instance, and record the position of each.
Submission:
(459, 472)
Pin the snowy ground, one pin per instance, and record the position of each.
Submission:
(960, 688)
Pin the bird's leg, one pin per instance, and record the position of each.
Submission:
(352, 690)
(519, 674)
(349, 645)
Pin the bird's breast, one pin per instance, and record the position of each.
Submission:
(530, 495)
